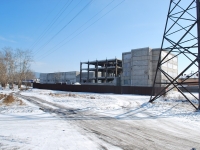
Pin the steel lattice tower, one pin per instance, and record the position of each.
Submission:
(181, 38)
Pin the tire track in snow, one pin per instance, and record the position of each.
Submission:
(137, 134)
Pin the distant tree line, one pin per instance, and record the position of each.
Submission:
(15, 66)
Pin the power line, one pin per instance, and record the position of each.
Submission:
(64, 17)
(86, 22)
(66, 24)
(71, 10)
(53, 50)
(44, 21)
(52, 23)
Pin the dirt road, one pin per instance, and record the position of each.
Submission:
(127, 133)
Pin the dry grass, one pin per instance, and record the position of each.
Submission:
(2, 96)
(23, 89)
(10, 99)
(20, 102)
(76, 95)
(72, 95)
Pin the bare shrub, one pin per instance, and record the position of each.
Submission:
(21, 89)
(2, 96)
(72, 95)
(8, 99)
(56, 94)
(92, 97)
(20, 102)
(83, 96)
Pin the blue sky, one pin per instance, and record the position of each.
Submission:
(61, 33)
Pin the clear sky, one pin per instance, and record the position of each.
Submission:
(61, 33)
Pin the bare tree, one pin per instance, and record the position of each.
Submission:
(24, 59)
(29, 75)
(11, 66)
(3, 71)
(7, 66)
(14, 66)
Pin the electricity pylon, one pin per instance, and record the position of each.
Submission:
(180, 40)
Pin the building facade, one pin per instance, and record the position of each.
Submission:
(139, 67)
(60, 77)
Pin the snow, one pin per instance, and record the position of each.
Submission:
(28, 127)
(173, 105)
(40, 131)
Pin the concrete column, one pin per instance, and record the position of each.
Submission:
(115, 67)
(80, 72)
(88, 73)
(97, 71)
(106, 69)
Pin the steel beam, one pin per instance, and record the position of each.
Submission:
(198, 35)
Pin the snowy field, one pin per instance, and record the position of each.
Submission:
(88, 121)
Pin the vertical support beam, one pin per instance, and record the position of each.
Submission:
(97, 71)
(103, 73)
(154, 81)
(106, 69)
(80, 72)
(198, 35)
(88, 73)
(115, 67)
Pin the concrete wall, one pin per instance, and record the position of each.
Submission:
(126, 64)
(64, 77)
(139, 67)
(85, 76)
(170, 67)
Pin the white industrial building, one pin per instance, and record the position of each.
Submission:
(63, 77)
(60, 77)
(139, 67)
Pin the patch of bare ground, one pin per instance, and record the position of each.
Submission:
(10, 100)
(75, 95)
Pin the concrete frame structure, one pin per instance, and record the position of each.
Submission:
(105, 71)
(139, 67)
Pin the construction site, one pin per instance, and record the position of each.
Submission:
(105, 71)
(143, 99)
(147, 67)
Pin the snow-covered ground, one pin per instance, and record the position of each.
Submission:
(26, 126)
(173, 105)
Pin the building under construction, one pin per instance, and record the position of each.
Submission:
(101, 71)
